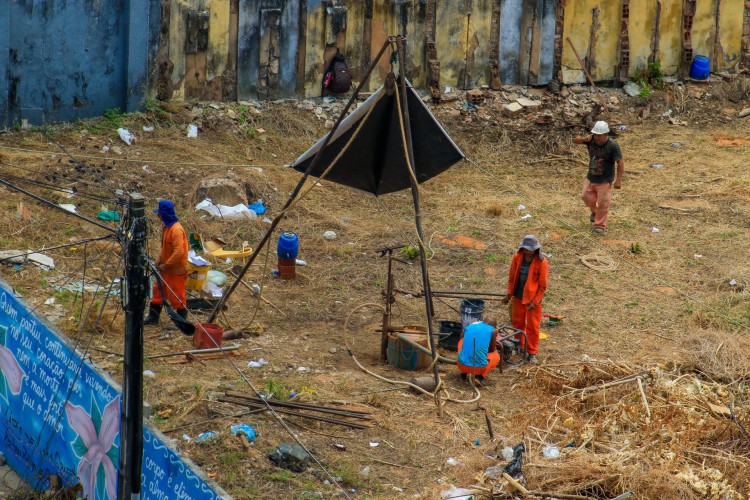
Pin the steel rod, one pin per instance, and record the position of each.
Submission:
(302, 406)
(459, 292)
(252, 404)
(297, 188)
(197, 351)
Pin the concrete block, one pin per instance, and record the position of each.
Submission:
(529, 103)
(512, 110)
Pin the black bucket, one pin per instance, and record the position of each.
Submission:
(471, 311)
(450, 334)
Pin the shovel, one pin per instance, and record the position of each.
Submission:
(182, 324)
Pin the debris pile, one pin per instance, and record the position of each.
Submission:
(659, 433)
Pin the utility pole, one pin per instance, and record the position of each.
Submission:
(134, 295)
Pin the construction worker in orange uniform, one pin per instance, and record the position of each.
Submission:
(527, 282)
(172, 264)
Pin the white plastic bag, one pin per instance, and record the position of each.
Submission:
(126, 136)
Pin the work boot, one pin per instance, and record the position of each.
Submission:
(154, 310)
(532, 359)
(182, 313)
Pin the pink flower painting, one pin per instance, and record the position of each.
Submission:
(11, 373)
(95, 446)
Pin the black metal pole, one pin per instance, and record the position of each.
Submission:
(415, 195)
(297, 189)
(135, 293)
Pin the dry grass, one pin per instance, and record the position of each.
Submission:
(663, 308)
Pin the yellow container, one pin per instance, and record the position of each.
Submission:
(196, 277)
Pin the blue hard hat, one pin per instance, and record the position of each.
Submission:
(165, 207)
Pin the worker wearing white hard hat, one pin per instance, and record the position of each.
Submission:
(602, 176)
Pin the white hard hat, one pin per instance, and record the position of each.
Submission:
(600, 128)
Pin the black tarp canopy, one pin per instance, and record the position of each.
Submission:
(375, 161)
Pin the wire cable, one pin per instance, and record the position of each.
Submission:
(57, 207)
(141, 160)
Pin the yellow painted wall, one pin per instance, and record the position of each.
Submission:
(577, 27)
(642, 20)
(730, 32)
(218, 37)
(457, 18)
(177, 44)
(703, 28)
(670, 43)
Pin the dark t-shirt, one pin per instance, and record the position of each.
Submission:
(523, 276)
(602, 161)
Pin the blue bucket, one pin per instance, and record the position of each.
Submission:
(288, 247)
(700, 68)
(471, 311)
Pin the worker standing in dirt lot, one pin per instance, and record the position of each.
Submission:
(172, 264)
(527, 283)
(597, 188)
(477, 351)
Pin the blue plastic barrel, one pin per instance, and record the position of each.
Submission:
(700, 68)
(288, 247)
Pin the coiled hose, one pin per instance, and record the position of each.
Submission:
(438, 390)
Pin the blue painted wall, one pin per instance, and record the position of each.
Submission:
(69, 59)
(251, 30)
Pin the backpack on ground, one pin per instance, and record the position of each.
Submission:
(338, 78)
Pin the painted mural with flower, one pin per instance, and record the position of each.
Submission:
(11, 373)
(60, 415)
(96, 432)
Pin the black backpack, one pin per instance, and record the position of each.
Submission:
(338, 78)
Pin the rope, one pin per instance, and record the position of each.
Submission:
(438, 390)
(598, 262)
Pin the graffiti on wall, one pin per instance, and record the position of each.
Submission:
(60, 417)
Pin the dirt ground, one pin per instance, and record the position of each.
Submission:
(668, 301)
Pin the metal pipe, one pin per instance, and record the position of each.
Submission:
(297, 188)
(422, 348)
(302, 406)
(252, 404)
(197, 351)
(488, 294)
(415, 195)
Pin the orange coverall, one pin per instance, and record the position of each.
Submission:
(173, 257)
(536, 284)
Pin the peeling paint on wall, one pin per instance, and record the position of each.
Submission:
(58, 65)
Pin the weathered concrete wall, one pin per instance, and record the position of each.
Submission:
(60, 65)
(57, 64)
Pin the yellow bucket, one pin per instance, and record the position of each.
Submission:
(196, 276)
